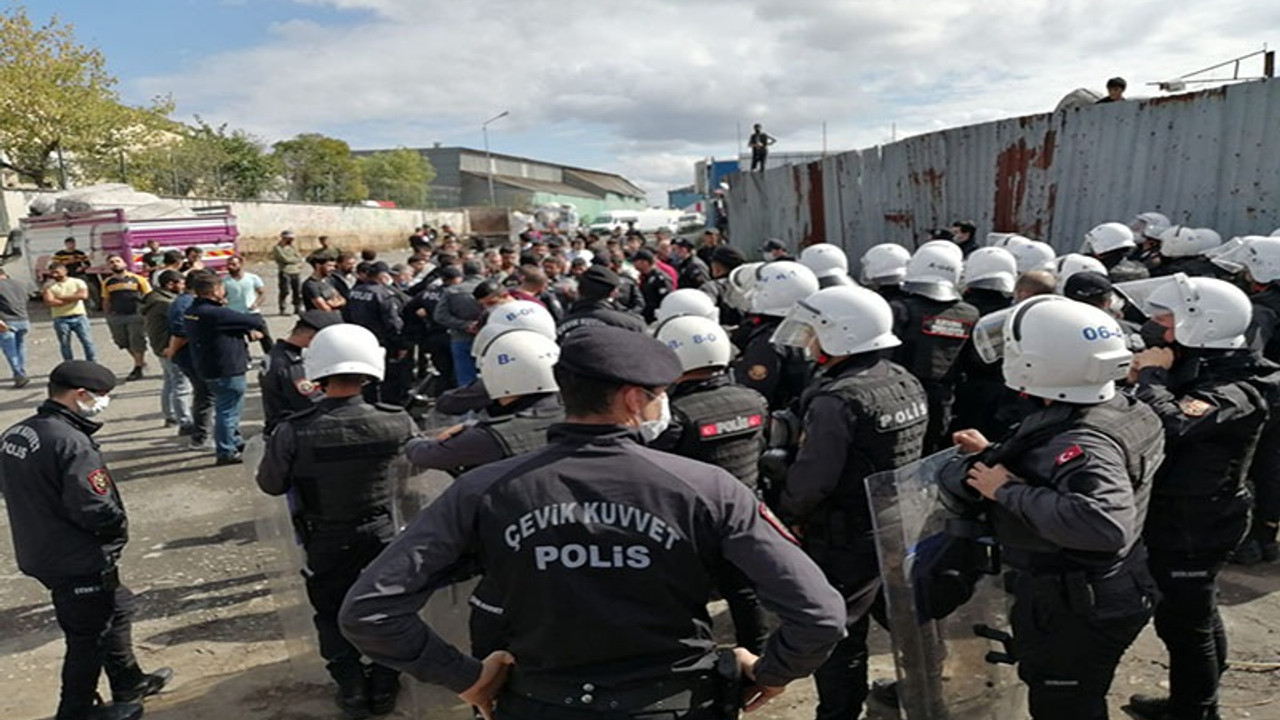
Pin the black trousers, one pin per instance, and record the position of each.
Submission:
(336, 554)
(290, 287)
(201, 405)
(758, 156)
(437, 346)
(1067, 654)
(1264, 478)
(853, 570)
(95, 614)
(1188, 622)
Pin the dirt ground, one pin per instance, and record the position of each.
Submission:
(210, 588)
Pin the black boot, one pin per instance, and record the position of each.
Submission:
(384, 688)
(149, 685)
(115, 711)
(1154, 707)
(353, 694)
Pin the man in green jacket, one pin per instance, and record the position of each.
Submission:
(289, 264)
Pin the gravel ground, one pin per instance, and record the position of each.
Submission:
(211, 585)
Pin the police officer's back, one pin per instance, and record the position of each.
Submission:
(828, 263)
(1182, 250)
(1067, 492)
(597, 288)
(602, 550)
(284, 383)
(334, 459)
(934, 325)
(69, 527)
(720, 423)
(982, 401)
(778, 373)
(1112, 244)
(1214, 397)
(862, 414)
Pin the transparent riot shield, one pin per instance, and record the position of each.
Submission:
(944, 665)
(281, 559)
(448, 612)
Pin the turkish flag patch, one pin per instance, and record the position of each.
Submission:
(1069, 454)
(777, 524)
(100, 481)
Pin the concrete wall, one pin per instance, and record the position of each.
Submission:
(260, 223)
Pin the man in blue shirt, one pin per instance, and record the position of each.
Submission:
(179, 351)
(217, 336)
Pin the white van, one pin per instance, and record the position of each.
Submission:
(646, 220)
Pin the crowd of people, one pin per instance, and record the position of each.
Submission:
(641, 421)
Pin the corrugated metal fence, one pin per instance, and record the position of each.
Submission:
(1207, 159)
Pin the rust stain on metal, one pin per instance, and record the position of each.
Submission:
(900, 219)
(817, 207)
(1044, 159)
(1011, 183)
(1184, 98)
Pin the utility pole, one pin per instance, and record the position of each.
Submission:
(484, 129)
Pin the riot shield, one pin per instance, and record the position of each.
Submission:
(280, 559)
(448, 612)
(944, 665)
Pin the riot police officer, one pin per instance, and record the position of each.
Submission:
(828, 263)
(335, 457)
(934, 325)
(1182, 250)
(1067, 492)
(517, 370)
(285, 386)
(862, 414)
(1112, 244)
(981, 399)
(1213, 396)
(717, 422)
(600, 549)
(883, 267)
(69, 527)
(778, 373)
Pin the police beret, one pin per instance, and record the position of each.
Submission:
(774, 244)
(728, 256)
(1086, 285)
(683, 242)
(600, 276)
(379, 267)
(83, 374)
(622, 356)
(319, 319)
(643, 254)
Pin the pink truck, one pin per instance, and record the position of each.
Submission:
(99, 233)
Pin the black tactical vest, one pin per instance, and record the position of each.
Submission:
(890, 414)
(794, 368)
(933, 335)
(343, 454)
(526, 429)
(723, 425)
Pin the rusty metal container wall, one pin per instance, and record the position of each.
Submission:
(1208, 159)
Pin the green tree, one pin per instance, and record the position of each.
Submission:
(203, 160)
(58, 103)
(401, 176)
(320, 169)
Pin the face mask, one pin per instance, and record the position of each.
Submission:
(95, 408)
(1152, 334)
(651, 429)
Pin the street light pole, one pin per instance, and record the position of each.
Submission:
(484, 128)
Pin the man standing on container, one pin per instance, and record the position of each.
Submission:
(759, 143)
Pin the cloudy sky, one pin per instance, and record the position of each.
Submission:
(644, 87)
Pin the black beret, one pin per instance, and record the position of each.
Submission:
(450, 271)
(616, 355)
(774, 244)
(379, 267)
(83, 374)
(683, 242)
(319, 319)
(643, 254)
(600, 276)
(728, 256)
(1086, 285)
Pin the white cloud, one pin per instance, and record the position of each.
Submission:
(645, 87)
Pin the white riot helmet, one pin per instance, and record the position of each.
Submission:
(344, 349)
(697, 341)
(1259, 255)
(1207, 312)
(1149, 225)
(519, 362)
(514, 315)
(1072, 263)
(1032, 255)
(844, 321)
(825, 260)
(1008, 241)
(1182, 241)
(1108, 237)
(779, 285)
(1056, 348)
(687, 301)
(990, 268)
(1275, 233)
(742, 280)
(934, 270)
(884, 264)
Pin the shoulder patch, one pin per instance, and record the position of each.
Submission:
(777, 524)
(305, 387)
(100, 481)
(1069, 454)
(946, 327)
(1194, 407)
(757, 372)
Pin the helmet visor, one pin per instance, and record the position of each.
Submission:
(988, 336)
(794, 332)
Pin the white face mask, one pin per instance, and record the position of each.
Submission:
(651, 429)
(95, 408)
